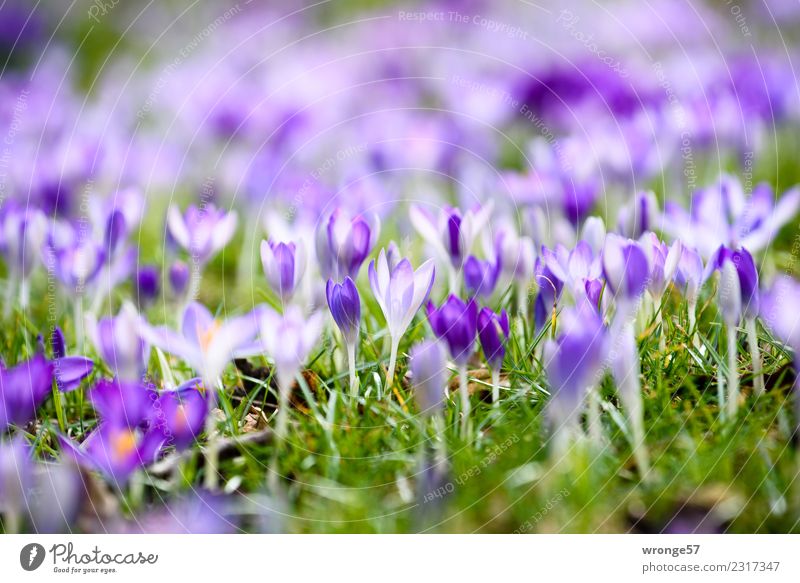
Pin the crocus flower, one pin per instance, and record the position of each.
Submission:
(23, 233)
(451, 234)
(16, 480)
(284, 265)
(76, 263)
(344, 242)
(429, 376)
(493, 331)
(574, 268)
(780, 311)
(722, 215)
(550, 288)
(147, 283)
(345, 306)
(516, 259)
(122, 442)
(400, 292)
(480, 276)
(626, 270)
(204, 342)
(287, 339)
(120, 343)
(178, 277)
(639, 216)
(180, 413)
(574, 362)
(689, 278)
(594, 233)
(201, 231)
(115, 451)
(69, 371)
(456, 324)
(22, 389)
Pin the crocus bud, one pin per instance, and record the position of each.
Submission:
(429, 376)
(625, 268)
(594, 233)
(119, 342)
(284, 265)
(456, 323)
(729, 294)
(343, 243)
(780, 311)
(147, 284)
(201, 231)
(116, 231)
(178, 277)
(493, 331)
(638, 216)
(747, 274)
(480, 277)
(689, 275)
(345, 305)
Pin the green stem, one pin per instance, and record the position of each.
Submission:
(392, 365)
(351, 363)
(496, 388)
(463, 390)
(733, 373)
(755, 356)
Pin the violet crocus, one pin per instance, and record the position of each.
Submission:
(493, 331)
(204, 342)
(480, 276)
(400, 292)
(639, 216)
(689, 279)
(122, 442)
(16, 480)
(627, 274)
(722, 215)
(119, 342)
(574, 362)
(22, 389)
(780, 312)
(284, 266)
(452, 233)
(147, 284)
(345, 306)
(178, 277)
(180, 413)
(738, 298)
(343, 242)
(22, 234)
(550, 287)
(201, 232)
(69, 371)
(287, 339)
(456, 322)
(429, 376)
(663, 262)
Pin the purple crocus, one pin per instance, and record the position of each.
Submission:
(178, 277)
(284, 265)
(201, 231)
(625, 268)
(180, 413)
(345, 306)
(722, 215)
(480, 276)
(493, 331)
(574, 362)
(747, 276)
(123, 441)
(204, 342)
(456, 323)
(639, 216)
(429, 376)
(22, 389)
(119, 342)
(344, 242)
(451, 233)
(69, 371)
(400, 292)
(550, 288)
(148, 284)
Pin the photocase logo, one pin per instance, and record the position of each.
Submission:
(31, 556)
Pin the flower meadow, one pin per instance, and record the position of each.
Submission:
(449, 266)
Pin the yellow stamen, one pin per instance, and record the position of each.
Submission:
(123, 444)
(206, 336)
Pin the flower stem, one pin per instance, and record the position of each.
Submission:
(733, 373)
(755, 356)
(593, 416)
(281, 425)
(211, 478)
(463, 390)
(351, 363)
(392, 364)
(496, 388)
(693, 323)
